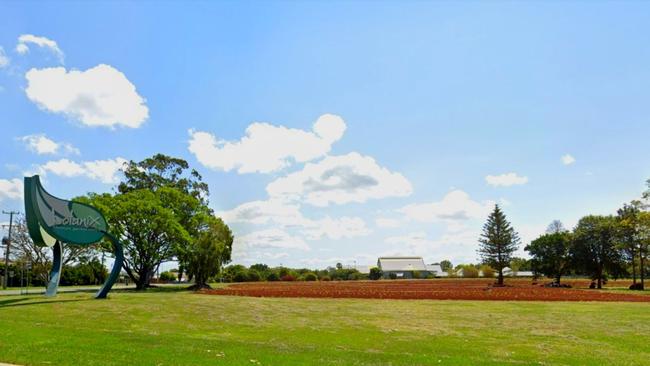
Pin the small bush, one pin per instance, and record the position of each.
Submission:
(288, 278)
(392, 276)
(311, 277)
(470, 272)
(253, 276)
(240, 276)
(272, 277)
(325, 278)
(487, 271)
(375, 273)
(167, 276)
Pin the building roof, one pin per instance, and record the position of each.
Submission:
(434, 268)
(388, 264)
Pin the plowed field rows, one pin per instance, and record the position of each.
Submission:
(452, 289)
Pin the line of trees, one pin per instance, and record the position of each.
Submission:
(262, 272)
(160, 213)
(599, 246)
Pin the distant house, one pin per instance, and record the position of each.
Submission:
(405, 267)
(507, 271)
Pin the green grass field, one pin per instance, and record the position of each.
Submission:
(172, 327)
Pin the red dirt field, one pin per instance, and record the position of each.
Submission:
(438, 289)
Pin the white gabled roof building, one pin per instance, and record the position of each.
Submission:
(401, 264)
(403, 267)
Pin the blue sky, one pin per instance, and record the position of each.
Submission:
(338, 131)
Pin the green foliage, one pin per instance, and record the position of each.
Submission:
(375, 273)
(90, 272)
(446, 265)
(594, 250)
(160, 213)
(253, 276)
(310, 277)
(273, 276)
(520, 264)
(392, 276)
(469, 271)
(551, 254)
(167, 276)
(147, 227)
(497, 242)
(488, 272)
(205, 255)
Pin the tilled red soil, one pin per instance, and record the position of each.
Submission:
(439, 289)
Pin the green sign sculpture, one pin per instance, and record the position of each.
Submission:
(52, 221)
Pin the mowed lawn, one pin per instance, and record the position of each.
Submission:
(183, 328)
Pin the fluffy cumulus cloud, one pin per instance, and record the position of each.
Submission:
(455, 208)
(11, 189)
(568, 159)
(339, 180)
(289, 216)
(42, 145)
(270, 238)
(100, 96)
(385, 222)
(105, 171)
(266, 148)
(506, 180)
(459, 247)
(4, 60)
(25, 40)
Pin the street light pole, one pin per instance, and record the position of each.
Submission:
(11, 222)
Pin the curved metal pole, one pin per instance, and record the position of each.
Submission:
(117, 267)
(55, 274)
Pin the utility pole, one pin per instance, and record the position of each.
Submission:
(8, 243)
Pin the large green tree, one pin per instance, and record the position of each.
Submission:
(149, 230)
(551, 254)
(208, 252)
(594, 249)
(628, 235)
(498, 242)
(160, 209)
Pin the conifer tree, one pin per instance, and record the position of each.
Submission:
(498, 241)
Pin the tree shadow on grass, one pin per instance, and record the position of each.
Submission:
(20, 302)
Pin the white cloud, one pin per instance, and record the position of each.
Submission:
(568, 159)
(26, 39)
(387, 223)
(105, 171)
(454, 208)
(270, 238)
(343, 227)
(100, 96)
(267, 148)
(340, 179)
(41, 145)
(506, 180)
(289, 216)
(4, 60)
(459, 247)
(11, 189)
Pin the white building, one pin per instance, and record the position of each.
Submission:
(405, 267)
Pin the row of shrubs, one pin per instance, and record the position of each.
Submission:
(262, 272)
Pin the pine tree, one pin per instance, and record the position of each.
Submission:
(498, 241)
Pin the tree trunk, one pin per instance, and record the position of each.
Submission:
(633, 270)
(557, 278)
(500, 279)
(600, 279)
(642, 270)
